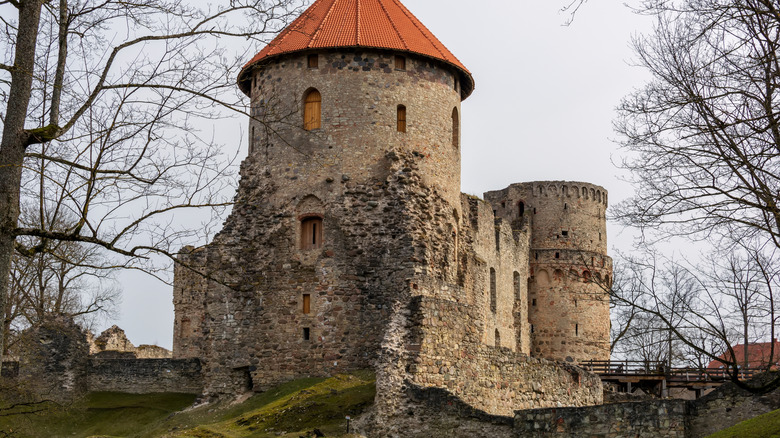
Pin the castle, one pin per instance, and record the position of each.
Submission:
(350, 245)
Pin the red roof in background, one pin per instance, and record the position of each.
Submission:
(382, 24)
(758, 355)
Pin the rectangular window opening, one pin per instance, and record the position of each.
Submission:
(533, 302)
(400, 62)
(306, 334)
(565, 233)
(311, 233)
(306, 304)
(401, 119)
(576, 329)
(314, 61)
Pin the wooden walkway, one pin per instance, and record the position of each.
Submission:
(656, 378)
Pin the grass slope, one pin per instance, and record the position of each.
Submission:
(290, 410)
(763, 426)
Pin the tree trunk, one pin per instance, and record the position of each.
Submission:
(15, 138)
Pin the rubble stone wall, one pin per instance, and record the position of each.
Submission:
(650, 419)
(141, 376)
(493, 379)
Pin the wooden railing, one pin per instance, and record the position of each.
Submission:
(640, 368)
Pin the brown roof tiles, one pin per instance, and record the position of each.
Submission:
(381, 24)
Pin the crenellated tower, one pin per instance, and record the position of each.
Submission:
(570, 271)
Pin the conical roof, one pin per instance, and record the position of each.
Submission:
(380, 24)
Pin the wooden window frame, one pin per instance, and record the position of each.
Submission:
(306, 304)
(312, 110)
(313, 60)
(401, 118)
(311, 232)
(400, 62)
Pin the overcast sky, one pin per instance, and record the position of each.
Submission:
(542, 110)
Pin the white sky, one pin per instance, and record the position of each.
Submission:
(542, 110)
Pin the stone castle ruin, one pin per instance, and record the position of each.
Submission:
(351, 246)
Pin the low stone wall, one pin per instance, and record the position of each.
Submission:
(651, 419)
(447, 352)
(729, 405)
(145, 375)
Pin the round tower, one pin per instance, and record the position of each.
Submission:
(568, 304)
(331, 101)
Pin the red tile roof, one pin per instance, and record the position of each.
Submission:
(381, 24)
(758, 355)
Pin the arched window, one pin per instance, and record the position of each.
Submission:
(493, 290)
(311, 233)
(455, 128)
(401, 118)
(312, 109)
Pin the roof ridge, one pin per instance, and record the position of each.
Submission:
(392, 23)
(319, 27)
(417, 23)
(357, 22)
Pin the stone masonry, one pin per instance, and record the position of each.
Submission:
(350, 246)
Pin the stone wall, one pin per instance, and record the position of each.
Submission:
(447, 352)
(140, 376)
(729, 405)
(650, 419)
(53, 359)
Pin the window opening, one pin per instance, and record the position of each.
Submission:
(520, 209)
(498, 338)
(565, 233)
(533, 302)
(532, 328)
(455, 128)
(557, 255)
(400, 62)
(534, 210)
(493, 290)
(312, 110)
(455, 84)
(306, 334)
(314, 61)
(565, 206)
(503, 204)
(576, 329)
(311, 233)
(401, 118)
(306, 304)
(252, 141)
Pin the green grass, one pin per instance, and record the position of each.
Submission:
(763, 426)
(290, 410)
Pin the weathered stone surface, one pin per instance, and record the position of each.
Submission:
(142, 376)
(650, 419)
(427, 286)
(53, 360)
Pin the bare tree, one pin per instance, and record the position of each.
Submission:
(659, 295)
(103, 101)
(702, 139)
(690, 315)
(67, 278)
